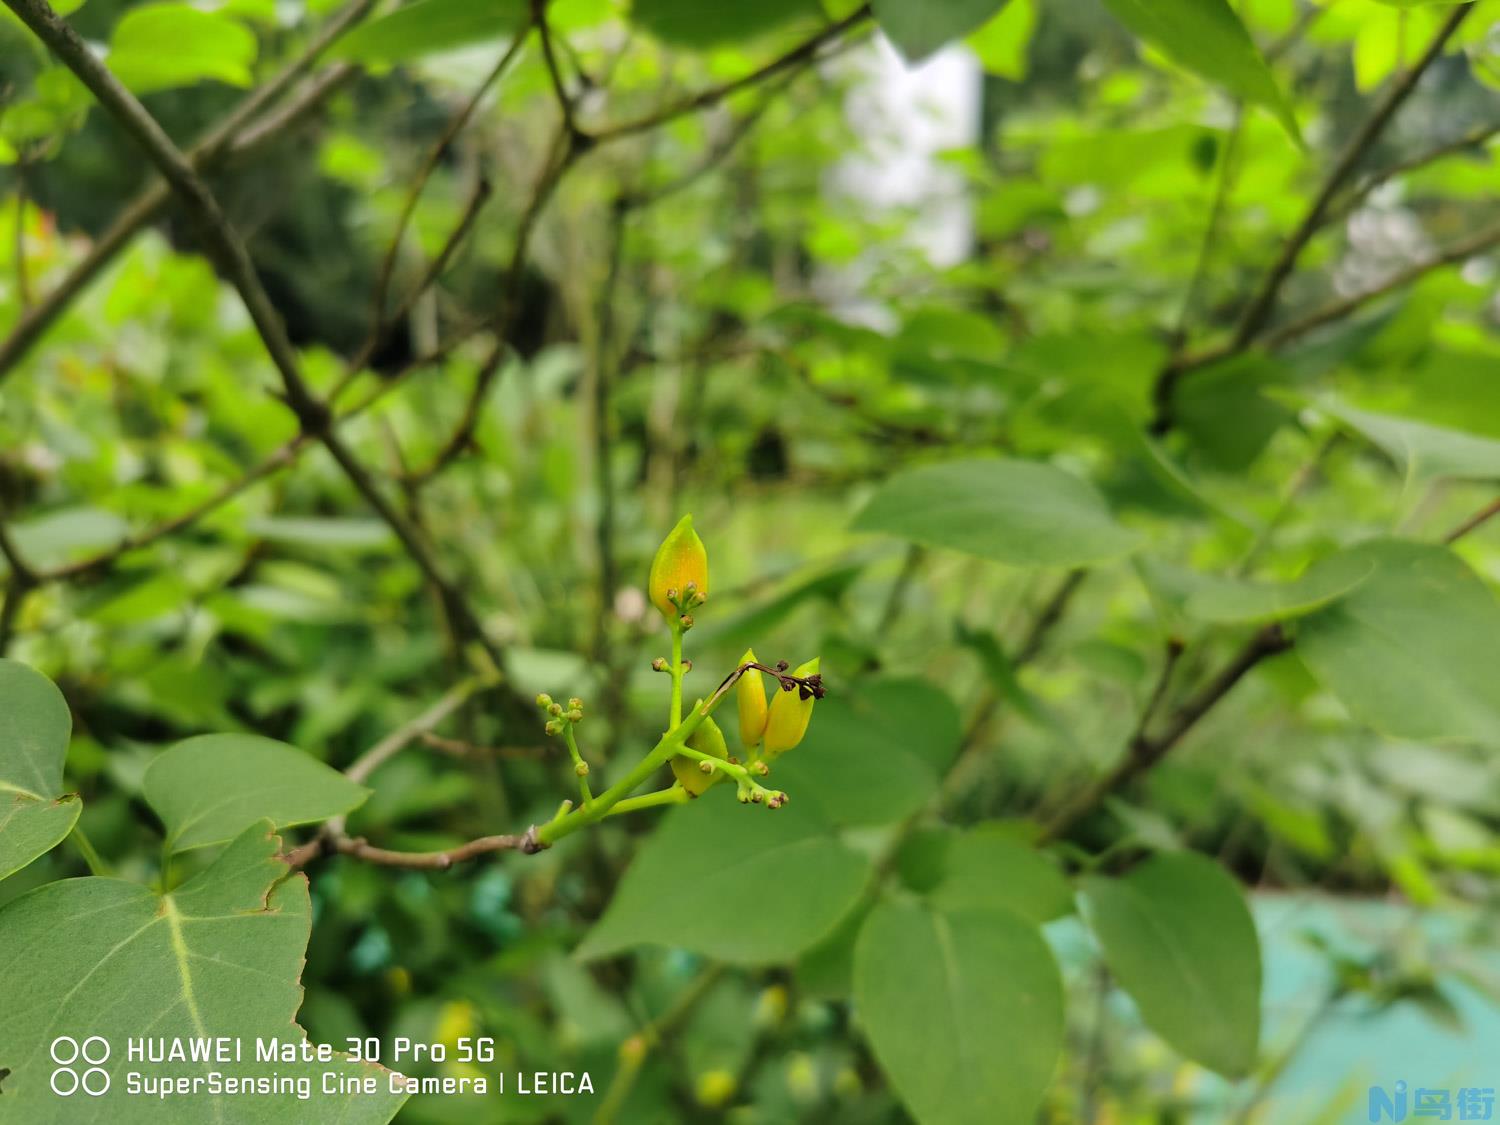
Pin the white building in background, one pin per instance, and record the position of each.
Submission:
(907, 117)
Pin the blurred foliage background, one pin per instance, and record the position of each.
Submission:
(1043, 242)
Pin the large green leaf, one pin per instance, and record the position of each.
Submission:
(1410, 651)
(219, 957)
(1207, 37)
(1179, 938)
(208, 789)
(35, 814)
(894, 736)
(159, 46)
(1229, 601)
(1017, 512)
(988, 866)
(963, 1008)
(742, 884)
(1424, 451)
(429, 26)
(920, 27)
(692, 23)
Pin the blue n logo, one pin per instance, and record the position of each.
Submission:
(1385, 1107)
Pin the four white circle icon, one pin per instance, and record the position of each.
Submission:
(66, 1051)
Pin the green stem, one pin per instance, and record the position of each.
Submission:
(669, 744)
(740, 774)
(91, 856)
(583, 780)
(672, 795)
(676, 670)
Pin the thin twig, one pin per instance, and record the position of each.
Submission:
(456, 124)
(1467, 141)
(554, 74)
(1474, 522)
(404, 735)
(1145, 751)
(806, 51)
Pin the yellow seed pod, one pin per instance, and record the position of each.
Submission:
(750, 694)
(714, 1088)
(707, 739)
(680, 561)
(789, 715)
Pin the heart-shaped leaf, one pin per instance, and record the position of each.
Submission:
(35, 814)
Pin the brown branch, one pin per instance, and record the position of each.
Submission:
(1463, 143)
(1262, 303)
(807, 51)
(1473, 523)
(1144, 751)
(392, 744)
(456, 125)
(564, 153)
(1484, 239)
(227, 246)
(554, 73)
(236, 135)
(358, 848)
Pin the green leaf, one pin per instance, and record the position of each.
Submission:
(919, 27)
(1423, 451)
(1018, 512)
(1002, 44)
(219, 956)
(738, 883)
(1411, 650)
(429, 26)
(1179, 938)
(988, 866)
(963, 1008)
(325, 533)
(160, 46)
(35, 725)
(893, 736)
(1208, 38)
(1231, 601)
(208, 789)
(692, 23)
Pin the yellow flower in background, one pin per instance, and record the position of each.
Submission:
(790, 712)
(750, 694)
(681, 562)
(707, 739)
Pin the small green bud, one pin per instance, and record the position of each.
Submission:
(575, 716)
(686, 621)
(659, 664)
(575, 704)
(554, 708)
(581, 769)
(706, 767)
(543, 699)
(554, 726)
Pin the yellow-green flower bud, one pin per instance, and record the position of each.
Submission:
(681, 560)
(750, 694)
(543, 700)
(707, 739)
(789, 715)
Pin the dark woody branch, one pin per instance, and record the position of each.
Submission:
(246, 128)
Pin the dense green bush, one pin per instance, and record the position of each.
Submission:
(359, 363)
